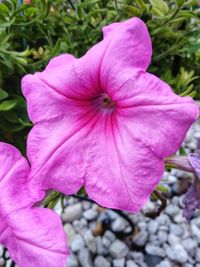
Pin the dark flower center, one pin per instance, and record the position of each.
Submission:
(107, 102)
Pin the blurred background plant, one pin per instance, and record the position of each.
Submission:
(34, 31)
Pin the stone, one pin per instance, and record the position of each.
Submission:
(148, 207)
(197, 254)
(131, 263)
(196, 232)
(118, 249)
(78, 243)
(2, 263)
(86, 205)
(162, 236)
(164, 228)
(172, 210)
(118, 263)
(173, 239)
(163, 219)
(106, 242)
(109, 235)
(153, 227)
(187, 265)
(176, 229)
(89, 241)
(142, 225)
(72, 213)
(80, 226)
(72, 261)
(69, 230)
(90, 214)
(112, 215)
(85, 258)
(140, 239)
(1, 250)
(154, 250)
(118, 225)
(136, 256)
(100, 261)
(164, 263)
(190, 246)
(177, 253)
(101, 250)
(179, 218)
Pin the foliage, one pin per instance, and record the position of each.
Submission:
(31, 34)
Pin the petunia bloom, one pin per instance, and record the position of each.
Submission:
(34, 236)
(192, 196)
(103, 122)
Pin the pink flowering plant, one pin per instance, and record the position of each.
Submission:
(101, 122)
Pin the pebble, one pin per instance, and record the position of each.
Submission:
(154, 250)
(78, 243)
(196, 232)
(86, 205)
(72, 213)
(89, 241)
(142, 226)
(100, 261)
(1, 250)
(118, 225)
(177, 253)
(163, 219)
(72, 261)
(90, 214)
(80, 226)
(197, 255)
(173, 239)
(85, 258)
(101, 250)
(164, 263)
(118, 263)
(190, 245)
(153, 227)
(140, 239)
(118, 249)
(106, 242)
(2, 263)
(110, 236)
(131, 263)
(176, 229)
(162, 236)
(172, 210)
(69, 230)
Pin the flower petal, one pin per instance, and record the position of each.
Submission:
(192, 196)
(59, 163)
(129, 47)
(35, 237)
(156, 115)
(117, 170)
(14, 171)
(122, 173)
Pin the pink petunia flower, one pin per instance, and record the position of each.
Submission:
(103, 122)
(27, 1)
(34, 236)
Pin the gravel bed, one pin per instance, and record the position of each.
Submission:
(99, 237)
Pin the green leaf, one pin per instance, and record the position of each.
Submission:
(3, 94)
(133, 11)
(8, 105)
(4, 9)
(160, 5)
